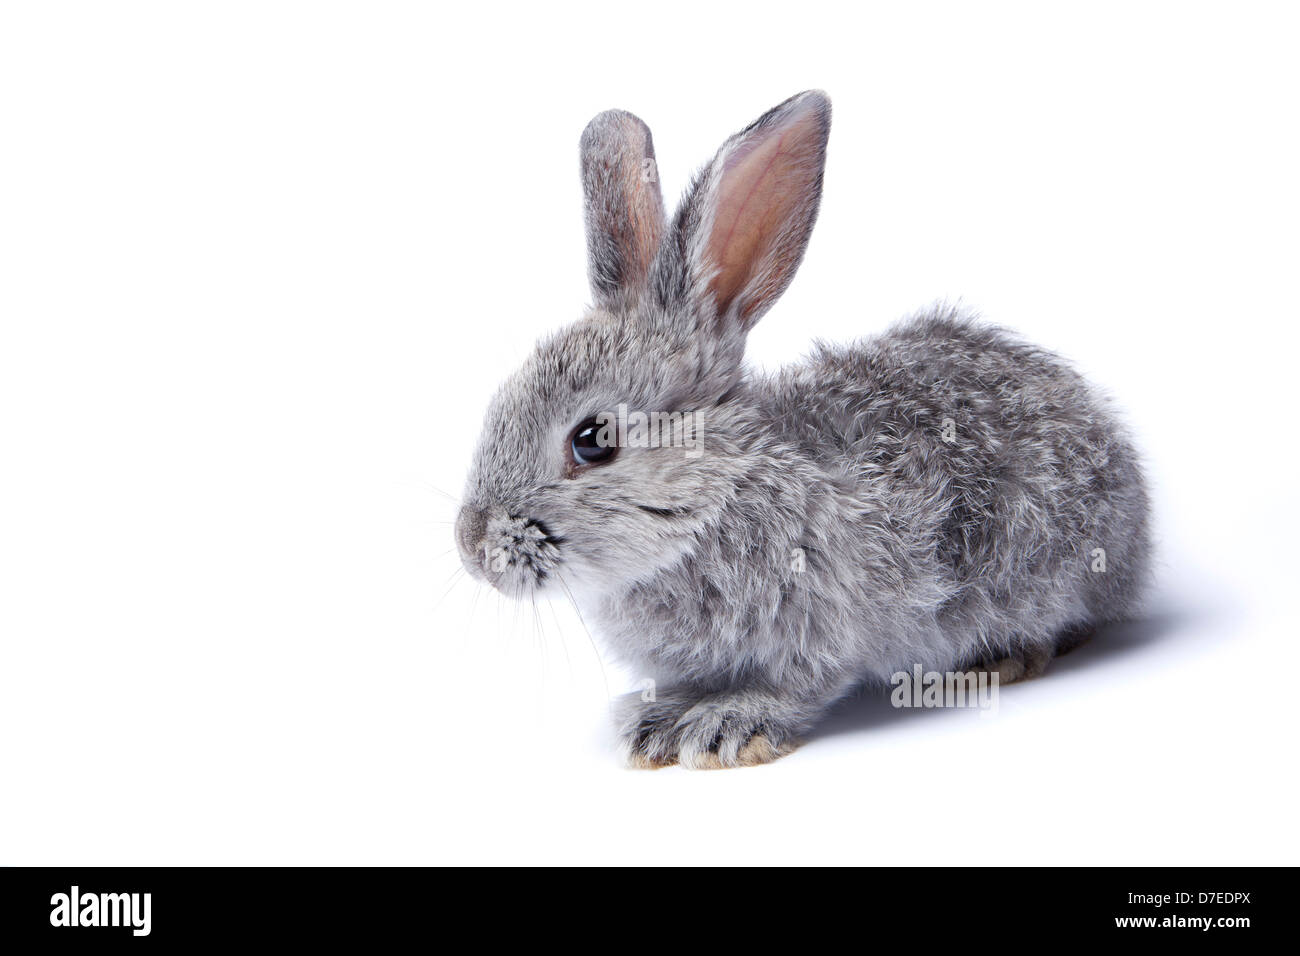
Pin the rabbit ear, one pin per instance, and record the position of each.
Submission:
(624, 208)
(744, 225)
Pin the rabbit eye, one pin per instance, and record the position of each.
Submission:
(589, 447)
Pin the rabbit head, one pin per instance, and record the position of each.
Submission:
(569, 487)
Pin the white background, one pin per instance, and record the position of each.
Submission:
(262, 266)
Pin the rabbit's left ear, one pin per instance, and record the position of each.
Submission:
(624, 207)
(742, 229)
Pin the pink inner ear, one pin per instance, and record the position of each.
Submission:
(761, 214)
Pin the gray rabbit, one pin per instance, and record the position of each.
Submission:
(944, 494)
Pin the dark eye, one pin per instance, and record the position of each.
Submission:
(593, 443)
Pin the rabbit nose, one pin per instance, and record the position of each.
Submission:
(471, 523)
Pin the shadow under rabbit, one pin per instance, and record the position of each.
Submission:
(870, 707)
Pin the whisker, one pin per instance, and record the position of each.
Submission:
(540, 639)
(453, 580)
(576, 610)
(452, 498)
(478, 591)
(564, 647)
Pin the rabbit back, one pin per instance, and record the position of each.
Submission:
(1018, 490)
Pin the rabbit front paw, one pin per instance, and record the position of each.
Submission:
(709, 732)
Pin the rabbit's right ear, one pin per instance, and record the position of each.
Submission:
(624, 208)
(744, 224)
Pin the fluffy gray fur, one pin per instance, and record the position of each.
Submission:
(945, 484)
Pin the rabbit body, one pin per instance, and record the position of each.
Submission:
(944, 494)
